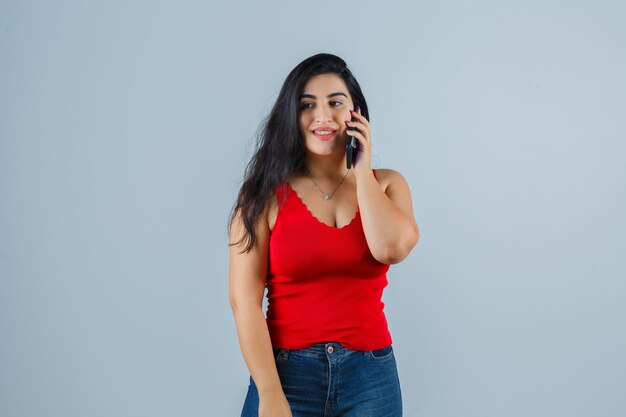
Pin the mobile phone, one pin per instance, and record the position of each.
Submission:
(352, 148)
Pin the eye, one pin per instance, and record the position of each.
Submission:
(305, 105)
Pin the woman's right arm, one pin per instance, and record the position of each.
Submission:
(247, 277)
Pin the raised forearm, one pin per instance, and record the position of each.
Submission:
(390, 234)
(256, 347)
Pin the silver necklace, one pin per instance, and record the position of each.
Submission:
(324, 195)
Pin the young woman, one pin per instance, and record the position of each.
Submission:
(321, 237)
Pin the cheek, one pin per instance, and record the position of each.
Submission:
(303, 124)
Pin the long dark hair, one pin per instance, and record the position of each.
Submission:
(280, 151)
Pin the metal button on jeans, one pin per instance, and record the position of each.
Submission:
(330, 349)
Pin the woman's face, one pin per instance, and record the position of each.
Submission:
(324, 105)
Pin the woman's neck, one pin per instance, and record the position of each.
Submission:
(330, 167)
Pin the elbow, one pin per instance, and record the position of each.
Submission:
(233, 304)
(240, 303)
(391, 256)
(397, 254)
(244, 307)
(398, 250)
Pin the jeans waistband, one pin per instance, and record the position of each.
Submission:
(320, 350)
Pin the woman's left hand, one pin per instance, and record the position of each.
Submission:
(363, 135)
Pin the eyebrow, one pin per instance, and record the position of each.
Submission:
(339, 93)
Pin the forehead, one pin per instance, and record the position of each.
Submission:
(324, 83)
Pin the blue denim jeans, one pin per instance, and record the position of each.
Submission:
(329, 380)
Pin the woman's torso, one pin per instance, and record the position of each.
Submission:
(323, 282)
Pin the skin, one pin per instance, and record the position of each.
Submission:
(385, 207)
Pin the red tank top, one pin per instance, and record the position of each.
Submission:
(323, 283)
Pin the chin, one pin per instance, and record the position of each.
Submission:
(322, 150)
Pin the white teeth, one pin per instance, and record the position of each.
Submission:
(323, 132)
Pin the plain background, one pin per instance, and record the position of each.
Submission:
(124, 131)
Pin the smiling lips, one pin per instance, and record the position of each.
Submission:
(324, 132)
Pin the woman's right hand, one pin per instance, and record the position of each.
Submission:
(274, 405)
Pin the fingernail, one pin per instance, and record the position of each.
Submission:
(358, 108)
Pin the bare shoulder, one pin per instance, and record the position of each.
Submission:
(391, 180)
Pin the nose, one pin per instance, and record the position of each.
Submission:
(323, 113)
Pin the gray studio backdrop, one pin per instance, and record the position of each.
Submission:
(124, 131)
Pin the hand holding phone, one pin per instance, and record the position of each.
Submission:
(352, 148)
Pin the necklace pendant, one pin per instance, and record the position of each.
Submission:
(326, 197)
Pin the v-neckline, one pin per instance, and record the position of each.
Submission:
(318, 220)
